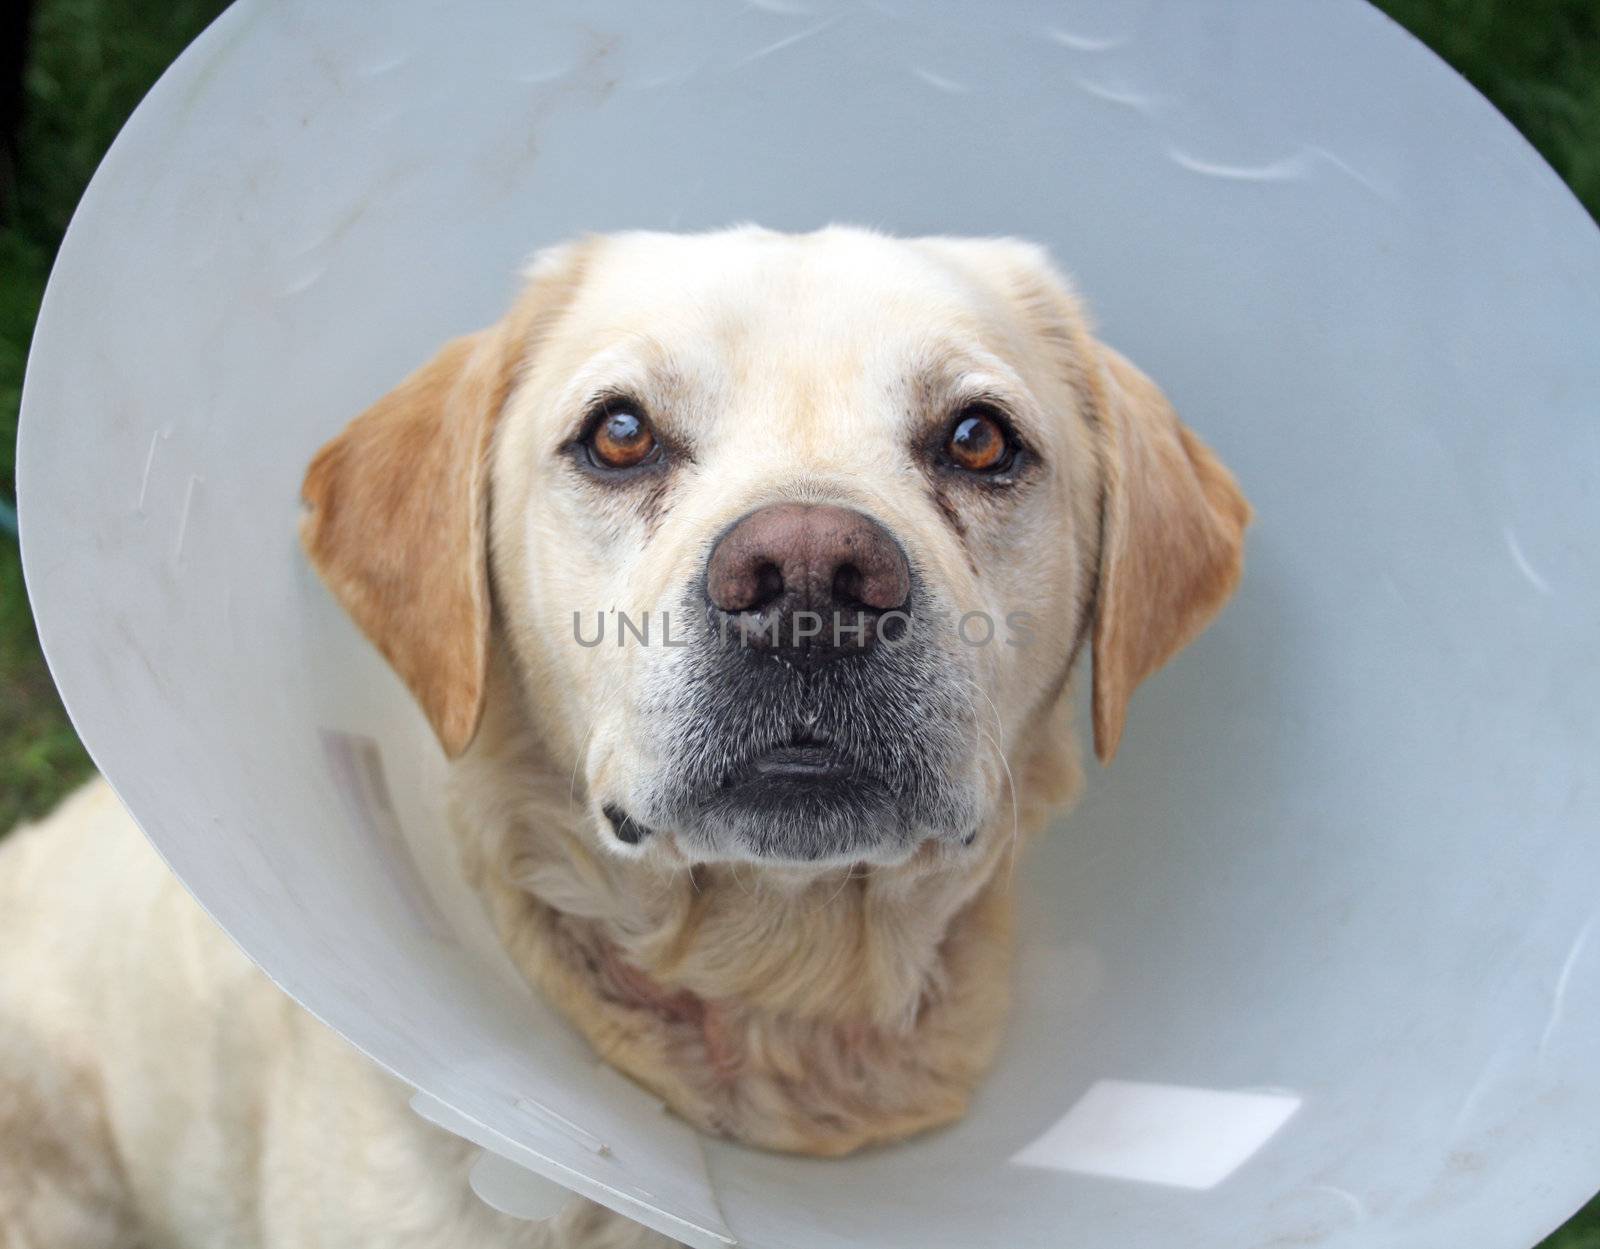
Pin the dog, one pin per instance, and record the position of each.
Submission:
(871, 498)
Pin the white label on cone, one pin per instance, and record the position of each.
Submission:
(1160, 1133)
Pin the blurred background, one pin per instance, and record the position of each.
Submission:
(72, 70)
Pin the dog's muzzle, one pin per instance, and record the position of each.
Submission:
(819, 718)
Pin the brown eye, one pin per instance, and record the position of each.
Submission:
(978, 443)
(622, 439)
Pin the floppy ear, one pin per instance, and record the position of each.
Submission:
(1172, 543)
(397, 510)
(397, 505)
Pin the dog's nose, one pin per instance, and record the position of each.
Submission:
(808, 580)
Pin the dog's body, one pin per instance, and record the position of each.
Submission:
(771, 880)
(158, 1090)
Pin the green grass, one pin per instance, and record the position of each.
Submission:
(1537, 60)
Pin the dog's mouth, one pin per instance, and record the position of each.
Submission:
(810, 767)
(808, 798)
(859, 760)
(809, 759)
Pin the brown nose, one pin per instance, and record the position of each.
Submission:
(809, 580)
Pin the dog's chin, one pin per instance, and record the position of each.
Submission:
(784, 817)
(809, 806)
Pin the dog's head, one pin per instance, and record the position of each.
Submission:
(793, 540)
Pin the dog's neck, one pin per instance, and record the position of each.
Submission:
(796, 1010)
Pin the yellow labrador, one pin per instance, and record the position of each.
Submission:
(742, 576)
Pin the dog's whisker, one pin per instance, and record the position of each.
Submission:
(846, 875)
(1011, 785)
(580, 754)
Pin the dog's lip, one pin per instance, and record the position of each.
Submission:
(801, 761)
(809, 757)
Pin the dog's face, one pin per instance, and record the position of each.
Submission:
(802, 462)
(793, 540)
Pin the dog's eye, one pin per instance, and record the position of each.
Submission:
(978, 442)
(621, 438)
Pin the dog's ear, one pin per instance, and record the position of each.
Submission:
(1172, 541)
(397, 509)
(395, 526)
